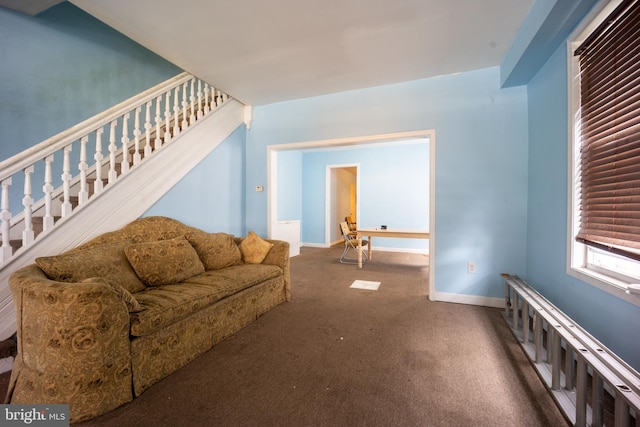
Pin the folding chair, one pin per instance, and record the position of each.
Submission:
(351, 243)
(350, 222)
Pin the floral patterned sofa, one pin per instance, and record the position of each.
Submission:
(101, 323)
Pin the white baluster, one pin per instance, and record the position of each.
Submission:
(158, 141)
(98, 184)
(47, 188)
(66, 182)
(83, 195)
(176, 111)
(207, 108)
(224, 97)
(136, 137)
(147, 131)
(27, 201)
(113, 175)
(185, 105)
(200, 107)
(192, 116)
(124, 167)
(5, 216)
(167, 118)
(216, 98)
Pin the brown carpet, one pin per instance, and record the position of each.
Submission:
(336, 356)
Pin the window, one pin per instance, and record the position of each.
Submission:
(605, 229)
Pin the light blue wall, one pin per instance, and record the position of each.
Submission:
(481, 163)
(394, 190)
(61, 67)
(548, 23)
(211, 196)
(611, 320)
(289, 185)
(58, 69)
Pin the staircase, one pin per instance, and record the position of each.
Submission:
(124, 160)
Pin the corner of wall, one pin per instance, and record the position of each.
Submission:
(546, 26)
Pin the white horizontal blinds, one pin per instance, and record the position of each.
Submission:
(610, 134)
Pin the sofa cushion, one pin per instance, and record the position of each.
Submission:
(254, 248)
(132, 303)
(238, 277)
(155, 228)
(216, 250)
(108, 260)
(164, 305)
(165, 261)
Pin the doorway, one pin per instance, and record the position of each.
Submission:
(341, 199)
(429, 135)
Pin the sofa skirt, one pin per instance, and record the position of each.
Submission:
(157, 355)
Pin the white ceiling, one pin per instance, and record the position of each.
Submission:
(262, 52)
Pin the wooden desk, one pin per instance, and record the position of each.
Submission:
(389, 232)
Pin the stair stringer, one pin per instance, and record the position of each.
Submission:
(124, 200)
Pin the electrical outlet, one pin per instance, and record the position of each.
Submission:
(471, 267)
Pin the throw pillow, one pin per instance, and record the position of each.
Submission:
(254, 248)
(132, 303)
(216, 250)
(107, 260)
(164, 262)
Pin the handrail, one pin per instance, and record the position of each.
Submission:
(129, 132)
(31, 155)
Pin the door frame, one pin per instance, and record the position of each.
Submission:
(330, 169)
(430, 134)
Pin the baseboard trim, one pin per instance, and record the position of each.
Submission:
(375, 249)
(479, 300)
(467, 299)
(407, 250)
(314, 245)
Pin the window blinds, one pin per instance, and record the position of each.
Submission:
(609, 172)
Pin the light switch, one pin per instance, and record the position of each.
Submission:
(471, 267)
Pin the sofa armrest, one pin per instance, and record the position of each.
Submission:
(73, 344)
(279, 255)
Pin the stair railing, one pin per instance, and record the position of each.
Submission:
(120, 138)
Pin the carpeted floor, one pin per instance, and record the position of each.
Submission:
(337, 356)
